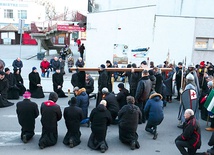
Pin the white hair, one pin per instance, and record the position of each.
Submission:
(189, 111)
(103, 102)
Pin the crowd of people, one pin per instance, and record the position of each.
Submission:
(144, 102)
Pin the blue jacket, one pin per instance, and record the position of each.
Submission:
(83, 101)
(154, 109)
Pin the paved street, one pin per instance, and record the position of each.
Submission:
(11, 144)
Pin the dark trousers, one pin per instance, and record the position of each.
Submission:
(151, 126)
(141, 106)
(181, 145)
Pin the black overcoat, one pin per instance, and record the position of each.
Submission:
(73, 115)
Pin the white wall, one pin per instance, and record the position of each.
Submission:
(175, 35)
(102, 32)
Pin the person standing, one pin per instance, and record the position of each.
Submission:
(178, 78)
(17, 64)
(27, 111)
(134, 78)
(13, 91)
(154, 111)
(57, 79)
(102, 82)
(129, 117)
(191, 135)
(73, 115)
(62, 66)
(100, 119)
(81, 50)
(50, 115)
(45, 65)
(110, 75)
(144, 88)
(4, 86)
(35, 84)
(121, 96)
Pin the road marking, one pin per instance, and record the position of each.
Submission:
(11, 138)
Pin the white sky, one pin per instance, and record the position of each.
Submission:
(80, 5)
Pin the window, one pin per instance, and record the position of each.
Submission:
(22, 14)
(201, 43)
(8, 13)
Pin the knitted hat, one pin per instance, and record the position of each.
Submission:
(27, 94)
(210, 83)
(6, 69)
(34, 68)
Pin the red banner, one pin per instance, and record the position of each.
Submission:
(70, 28)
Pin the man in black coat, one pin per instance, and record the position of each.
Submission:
(102, 82)
(73, 115)
(55, 64)
(129, 117)
(4, 85)
(35, 84)
(121, 96)
(57, 79)
(134, 78)
(27, 111)
(51, 114)
(144, 88)
(191, 136)
(178, 78)
(100, 119)
(13, 91)
(112, 104)
(81, 50)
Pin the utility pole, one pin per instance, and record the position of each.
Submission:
(20, 31)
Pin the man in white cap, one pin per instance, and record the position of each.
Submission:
(27, 111)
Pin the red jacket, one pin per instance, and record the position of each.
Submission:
(44, 66)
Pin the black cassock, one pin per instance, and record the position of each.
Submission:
(73, 115)
(4, 85)
(36, 91)
(51, 114)
(100, 118)
(20, 84)
(57, 80)
(27, 112)
(13, 90)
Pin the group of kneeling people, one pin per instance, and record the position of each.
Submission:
(100, 117)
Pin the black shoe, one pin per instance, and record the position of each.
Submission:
(133, 145)
(155, 135)
(24, 138)
(137, 145)
(71, 144)
(41, 146)
(102, 148)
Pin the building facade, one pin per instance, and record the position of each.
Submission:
(175, 30)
